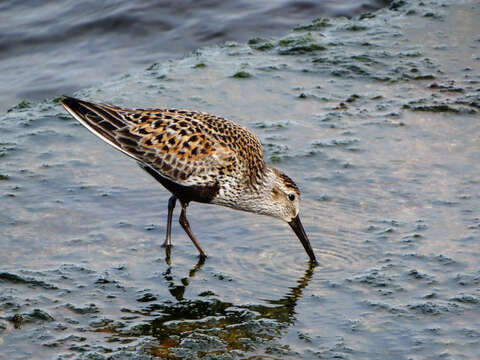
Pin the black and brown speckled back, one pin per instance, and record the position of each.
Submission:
(187, 147)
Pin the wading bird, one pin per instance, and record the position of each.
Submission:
(197, 157)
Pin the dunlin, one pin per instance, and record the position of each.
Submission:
(197, 157)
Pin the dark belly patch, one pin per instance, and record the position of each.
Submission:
(202, 194)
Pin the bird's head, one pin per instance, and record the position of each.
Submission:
(285, 205)
(285, 195)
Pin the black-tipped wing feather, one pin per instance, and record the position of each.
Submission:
(100, 122)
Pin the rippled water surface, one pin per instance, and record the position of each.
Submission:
(376, 118)
(55, 47)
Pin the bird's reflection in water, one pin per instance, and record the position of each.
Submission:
(231, 326)
(177, 291)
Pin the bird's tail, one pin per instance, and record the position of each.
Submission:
(96, 118)
(102, 120)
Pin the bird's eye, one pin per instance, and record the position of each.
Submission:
(291, 197)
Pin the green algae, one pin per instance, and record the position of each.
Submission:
(352, 98)
(242, 75)
(260, 44)
(255, 41)
(56, 99)
(297, 45)
(21, 106)
(397, 4)
(355, 27)
(301, 49)
(316, 25)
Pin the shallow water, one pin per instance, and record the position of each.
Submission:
(57, 47)
(377, 121)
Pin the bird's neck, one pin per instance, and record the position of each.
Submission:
(250, 198)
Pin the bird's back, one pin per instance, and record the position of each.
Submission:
(187, 147)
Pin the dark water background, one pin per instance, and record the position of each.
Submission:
(376, 118)
(55, 47)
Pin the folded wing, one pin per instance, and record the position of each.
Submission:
(175, 143)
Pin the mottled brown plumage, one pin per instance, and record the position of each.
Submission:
(197, 157)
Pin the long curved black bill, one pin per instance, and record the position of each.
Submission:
(297, 226)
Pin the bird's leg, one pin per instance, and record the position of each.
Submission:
(186, 226)
(171, 205)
